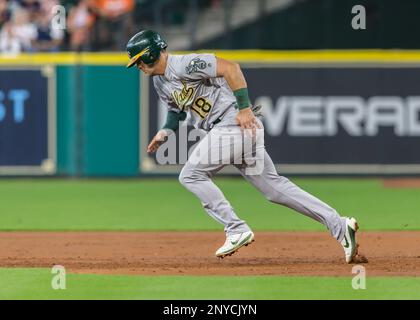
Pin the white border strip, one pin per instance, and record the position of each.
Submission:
(144, 122)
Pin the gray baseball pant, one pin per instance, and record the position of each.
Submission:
(220, 148)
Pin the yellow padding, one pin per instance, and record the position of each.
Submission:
(244, 56)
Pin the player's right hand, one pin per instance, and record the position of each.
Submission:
(247, 120)
(157, 140)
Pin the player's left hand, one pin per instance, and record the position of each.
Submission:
(157, 140)
(247, 120)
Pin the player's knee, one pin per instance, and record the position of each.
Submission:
(271, 197)
(187, 177)
(276, 197)
(190, 175)
(183, 178)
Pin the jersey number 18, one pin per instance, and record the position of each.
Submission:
(201, 106)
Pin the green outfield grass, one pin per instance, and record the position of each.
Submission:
(36, 284)
(163, 204)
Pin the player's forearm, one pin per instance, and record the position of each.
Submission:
(172, 120)
(233, 75)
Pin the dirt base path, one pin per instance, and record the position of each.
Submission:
(413, 183)
(192, 253)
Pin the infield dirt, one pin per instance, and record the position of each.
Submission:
(192, 253)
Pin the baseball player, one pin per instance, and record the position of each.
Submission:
(214, 91)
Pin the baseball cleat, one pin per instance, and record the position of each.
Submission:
(349, 242)
(234, 242)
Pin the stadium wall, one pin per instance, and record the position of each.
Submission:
(98, 120)
(94, 124)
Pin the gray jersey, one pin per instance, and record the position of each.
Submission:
(190, 84)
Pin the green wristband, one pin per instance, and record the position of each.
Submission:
(173, 118)
(242, 98)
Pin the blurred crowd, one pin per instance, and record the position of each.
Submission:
(90, 25)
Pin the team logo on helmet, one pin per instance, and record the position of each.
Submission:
(162, 44)
(195, 64)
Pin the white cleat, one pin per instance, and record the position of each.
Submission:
(234, 242)
(349, 241)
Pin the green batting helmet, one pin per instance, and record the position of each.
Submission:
(145, 46)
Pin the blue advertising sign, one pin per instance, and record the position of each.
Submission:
(25, 122)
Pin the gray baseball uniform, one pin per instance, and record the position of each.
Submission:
(190, 84)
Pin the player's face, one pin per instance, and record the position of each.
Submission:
(148, 69)
(157, 68)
